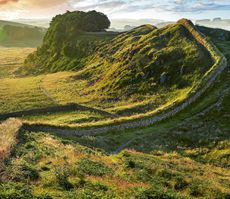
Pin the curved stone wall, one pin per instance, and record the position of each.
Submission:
(220, 63)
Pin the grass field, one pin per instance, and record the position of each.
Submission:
(11, 59)
(23, 93)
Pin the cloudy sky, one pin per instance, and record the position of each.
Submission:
(118, 9)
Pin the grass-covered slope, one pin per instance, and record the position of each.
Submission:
(141, 60)
(147, 59)
(133, 75)
(185, 156)
(201, 131)
(45, 166)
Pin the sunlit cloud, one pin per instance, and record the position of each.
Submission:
(163, 9)
(7, 1)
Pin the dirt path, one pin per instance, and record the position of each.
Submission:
(46, 93)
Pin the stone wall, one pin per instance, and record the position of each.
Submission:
(55, 109)
(220, 63)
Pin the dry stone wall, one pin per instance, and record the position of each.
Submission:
(220, 63)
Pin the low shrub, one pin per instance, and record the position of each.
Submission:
(22, 171)
(180, 183)
(130, 164)
(15, 191)
(157, 193)
(95, 168)
(62, 174)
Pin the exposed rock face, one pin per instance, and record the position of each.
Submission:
(163, 78)
(182, 70)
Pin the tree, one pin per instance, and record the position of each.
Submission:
(95, 22)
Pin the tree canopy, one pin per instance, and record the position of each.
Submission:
(91, 21)
(65, 28)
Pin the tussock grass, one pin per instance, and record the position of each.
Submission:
(60, 167)
(8, 134)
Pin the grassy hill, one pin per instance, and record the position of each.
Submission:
(123, 78)
(14, 34)
(50, 167)
(138, 61)
(132, 74)
(126, 74)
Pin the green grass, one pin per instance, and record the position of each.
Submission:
(116, 67)
(65, 118)
(123, 74)
(86, 86)
(11, 60)
(48, 165)
(22, 94)
(202, 137)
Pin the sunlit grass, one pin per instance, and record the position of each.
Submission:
(11, 59)
(71, 117)
(63, 168)
(8, 134)
(22, 94)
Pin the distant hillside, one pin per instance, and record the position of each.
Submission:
(11, 23)
(20, 35)
(218, 34)
(34, 22)
(215, 23)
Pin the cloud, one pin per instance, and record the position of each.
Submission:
(194, 6)
(114, 8)
(7, 1)
(108, 5)
(33, 8)
(33, 3)
(43, 3)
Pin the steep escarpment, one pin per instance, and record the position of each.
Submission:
(147, 59)
(144, 60)
(198, 88)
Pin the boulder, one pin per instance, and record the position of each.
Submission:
(163, 78)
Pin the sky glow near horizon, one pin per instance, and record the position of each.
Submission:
(168, 10)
